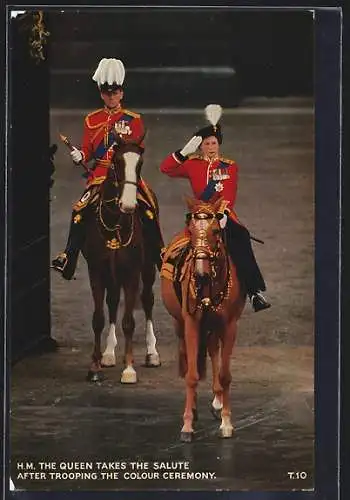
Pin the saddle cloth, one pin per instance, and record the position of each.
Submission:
(174, 257)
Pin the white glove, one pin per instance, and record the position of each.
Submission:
(191, 146)
(76, 155)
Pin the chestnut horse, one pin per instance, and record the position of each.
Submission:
(117, 258)
(206, 309)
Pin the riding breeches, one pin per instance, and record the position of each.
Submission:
(241, 252)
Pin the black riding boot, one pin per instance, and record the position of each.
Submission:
(248, 272)
(152, 236)
(66, 262)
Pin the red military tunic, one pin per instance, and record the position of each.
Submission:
(207, 177)
(98, 138)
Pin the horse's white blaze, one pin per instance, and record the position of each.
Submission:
(200, 266)
(129, 375)
(217, 404)
(128, 198)
(108, 357)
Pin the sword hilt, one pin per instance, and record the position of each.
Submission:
(66, 141)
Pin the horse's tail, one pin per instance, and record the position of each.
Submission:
(202, 345)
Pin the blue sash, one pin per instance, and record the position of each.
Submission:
(210, 190)
(102, 148)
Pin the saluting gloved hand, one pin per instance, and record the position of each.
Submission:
(189, 148)
(76, 155)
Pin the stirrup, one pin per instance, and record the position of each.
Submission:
(258, 301)
(60, 262)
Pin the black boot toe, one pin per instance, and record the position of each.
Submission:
(260, 303)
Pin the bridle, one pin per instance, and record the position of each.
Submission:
(202, 251)
(116, 242)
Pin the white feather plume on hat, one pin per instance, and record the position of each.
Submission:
(213, 113)
(109, 71)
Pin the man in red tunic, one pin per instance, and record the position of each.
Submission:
(210, 173)
(98, 145)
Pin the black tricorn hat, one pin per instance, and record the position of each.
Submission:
(210, 130)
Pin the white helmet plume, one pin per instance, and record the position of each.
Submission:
(213, 113)
(109, 71)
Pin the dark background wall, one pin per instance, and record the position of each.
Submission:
(29, 171)
(182, 57)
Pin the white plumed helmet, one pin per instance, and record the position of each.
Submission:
(109, 75)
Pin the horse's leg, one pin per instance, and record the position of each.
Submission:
(179, 328)
(214, 353)
(147, 299)
(112, 299)
(131, 287)
(226, 427)
(98, 322)
(191, 377)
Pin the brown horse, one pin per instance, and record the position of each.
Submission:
(206, 309)
(117, 258)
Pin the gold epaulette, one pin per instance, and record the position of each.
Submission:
(89, 119)
(195, 157)
(131, 113)
(227, 160)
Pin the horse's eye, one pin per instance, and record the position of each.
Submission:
(188, 217)
(219, 216)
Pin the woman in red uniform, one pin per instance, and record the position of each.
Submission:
(210, 173)
(98, 144)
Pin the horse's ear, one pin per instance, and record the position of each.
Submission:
(191, 202)
(219, 204)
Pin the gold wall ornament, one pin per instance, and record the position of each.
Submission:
(38, 37)
(32, 23)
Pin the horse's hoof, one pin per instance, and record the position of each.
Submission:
(215, 412)
(108, 360)
(195, 414)
(128, 378)
(152, 361)
(95, 376)
(226, 432)
(186, 437)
